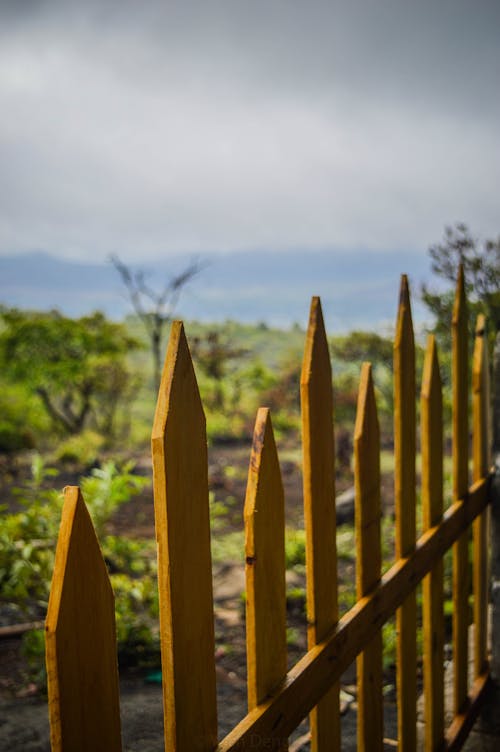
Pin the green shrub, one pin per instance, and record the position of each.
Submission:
(27, 546)
(106, 488)
(82, 449)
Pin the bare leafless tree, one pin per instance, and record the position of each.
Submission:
(154, 308)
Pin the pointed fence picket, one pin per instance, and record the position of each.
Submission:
(368, 561)
(265, 567)
(481, 459)
(320, 514)
(81, 652)
(460, 354)
(405, 505)
(432, 513)
(180, 477)
(82, 668)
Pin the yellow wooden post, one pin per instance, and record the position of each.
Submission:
(265, 568)
(460, 489)
(82, 671)
(320, 514)
(180, 474)
(405, 496)
(368, 559)
(432, 507)
(481, 458)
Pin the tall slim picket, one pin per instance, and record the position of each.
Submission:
(82, 669)
(460, 361)
(432, 508)
(320, 514)
(265, 568)
(480, 455)
(368, 560)
(405, 502)
(180, 475)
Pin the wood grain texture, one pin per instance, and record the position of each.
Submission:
(265, 567)
(82, 671)
(320, 513)
(322, 666)
(405, 504)
(432, 508)
(481, 460)
(461, 584)
(180, 475)
(368, 560)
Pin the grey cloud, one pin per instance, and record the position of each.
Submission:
(195, 125)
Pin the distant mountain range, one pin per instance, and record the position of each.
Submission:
(358, 289)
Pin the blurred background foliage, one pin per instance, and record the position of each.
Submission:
(78, 396)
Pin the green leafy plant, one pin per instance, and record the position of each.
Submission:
(75, 367)
(106, 488)
(27, 546)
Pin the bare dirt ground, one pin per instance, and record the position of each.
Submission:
(23, 711)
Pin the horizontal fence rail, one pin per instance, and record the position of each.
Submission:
(278, 700)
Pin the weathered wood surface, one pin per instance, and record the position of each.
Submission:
(322, 666)
(405, 505)
(82, 671)
(368, 561)
(461, 583)
(481, 460)
(180, 474)
(320, 513)
(265, 567)
(432, 508)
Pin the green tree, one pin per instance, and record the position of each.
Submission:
(76, 367)
(348, 353)
(361, 346)
(216, 354)
(481, 263)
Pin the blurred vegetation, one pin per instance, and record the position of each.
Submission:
(82, 390)
(27, 548)
(481, 264)
(76, 368)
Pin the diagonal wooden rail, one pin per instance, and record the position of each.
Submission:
(322, 666)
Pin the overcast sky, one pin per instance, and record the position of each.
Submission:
(149, 128)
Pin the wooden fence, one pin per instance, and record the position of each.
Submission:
(81, 651)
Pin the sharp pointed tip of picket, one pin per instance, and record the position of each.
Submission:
(262, 430)
(316, 347)
(431, 378)
(316, 321)
(178, 353)
(75, 523)
(263, 445)
(315, 302)
(404, 291)
(404, 323)
(460, 302)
